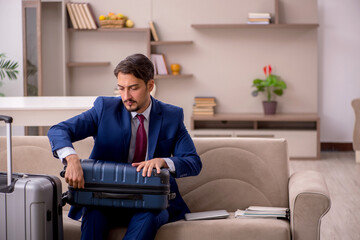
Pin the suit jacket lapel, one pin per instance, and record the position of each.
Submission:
(154, 127)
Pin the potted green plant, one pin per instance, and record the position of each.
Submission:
(7, 68)
(271, 85)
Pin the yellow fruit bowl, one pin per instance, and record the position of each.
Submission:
(112, 23)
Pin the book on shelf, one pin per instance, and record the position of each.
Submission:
(153, 60)
(203, 109)
(77, 19)
(203, 113)
(207, 100)
(259, 15)
(205, 104)
(263, 212)
(159, 64)
(84, 16)
(258, 20)
(78, 16)
(90, 15)
(264, 22)
(154, 34)
(71, 15)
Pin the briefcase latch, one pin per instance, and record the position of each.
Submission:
(171, 196)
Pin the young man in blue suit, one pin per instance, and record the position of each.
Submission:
(113, 122)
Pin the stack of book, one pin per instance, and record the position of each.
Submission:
(81, 16)
(204, 106)
(259, 18)
(264, 212)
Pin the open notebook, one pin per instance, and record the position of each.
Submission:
(217, 214)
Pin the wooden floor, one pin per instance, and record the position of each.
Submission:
(342, 176)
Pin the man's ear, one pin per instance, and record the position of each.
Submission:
(150, 85)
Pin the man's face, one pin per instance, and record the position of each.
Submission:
(134, 92)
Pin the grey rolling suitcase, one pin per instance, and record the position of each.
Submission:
(30, 205)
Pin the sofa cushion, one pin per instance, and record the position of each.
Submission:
(71, 227)
(230, 228)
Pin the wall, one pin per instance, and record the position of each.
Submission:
(338, 51)
(224, 62)
(339, 57)
(11, 43)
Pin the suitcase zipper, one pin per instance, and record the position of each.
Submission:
(111, 188)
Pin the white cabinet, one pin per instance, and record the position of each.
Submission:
(300, 130)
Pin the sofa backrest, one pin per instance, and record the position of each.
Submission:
(237, 173)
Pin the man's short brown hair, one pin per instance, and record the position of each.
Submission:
(138, 65)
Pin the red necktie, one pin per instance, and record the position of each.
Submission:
(141, 141)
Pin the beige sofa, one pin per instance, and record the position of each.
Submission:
(236, 173)
(356, 135)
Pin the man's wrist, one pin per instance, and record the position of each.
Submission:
(72, 158)
(170, 164)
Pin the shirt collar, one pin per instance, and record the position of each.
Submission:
(146, 113)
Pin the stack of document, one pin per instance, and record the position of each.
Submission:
(259, 18)
(204, 106)
(263, 212)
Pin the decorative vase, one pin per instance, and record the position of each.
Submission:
(175, 69)
(269, 107)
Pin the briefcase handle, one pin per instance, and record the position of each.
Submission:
(117, 196)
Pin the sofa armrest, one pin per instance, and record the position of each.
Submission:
(309, 201)
(356, 134)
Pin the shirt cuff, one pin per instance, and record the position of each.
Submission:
(64, 152)
(170, 164)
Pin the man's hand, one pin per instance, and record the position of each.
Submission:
(74, 175)
(149, 165)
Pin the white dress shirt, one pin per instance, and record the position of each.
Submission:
(66, 151)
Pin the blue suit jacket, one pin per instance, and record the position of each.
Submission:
(109, 123)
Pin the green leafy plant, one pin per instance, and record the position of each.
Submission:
(271, 85)
(7, 68)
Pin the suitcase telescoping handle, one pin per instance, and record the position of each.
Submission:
(8, 120)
